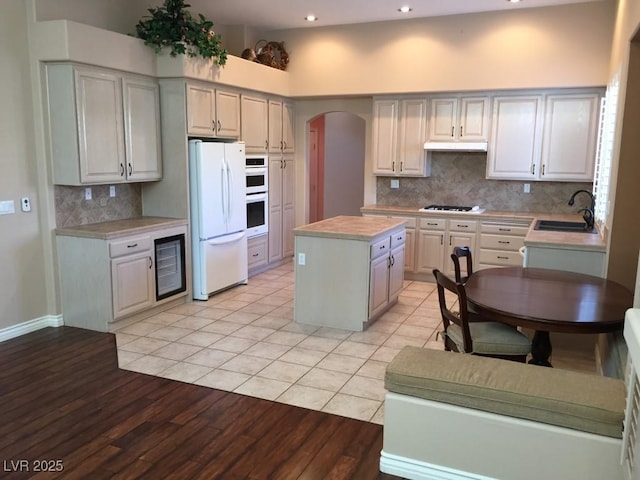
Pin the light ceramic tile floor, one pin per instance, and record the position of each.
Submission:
(244, 340)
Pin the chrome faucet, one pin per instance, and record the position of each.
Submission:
(589, 217)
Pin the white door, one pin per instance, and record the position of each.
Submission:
(209, 202)
(225, 262)
(234, 154)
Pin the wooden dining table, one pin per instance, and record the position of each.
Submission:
(548, 300)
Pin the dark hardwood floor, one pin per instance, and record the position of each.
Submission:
(65, 404)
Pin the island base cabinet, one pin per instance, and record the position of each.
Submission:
(342, 283)
(579, 261)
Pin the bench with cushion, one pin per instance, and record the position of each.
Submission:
(451, 416)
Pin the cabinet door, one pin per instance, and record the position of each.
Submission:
(474, 119)
(412, 125)
(275, 126)
(385, 123)
(254, 120)
(396, 272)
(378, 284)
(514, 150)
(288, 128)
(227, 114)
(430, 251)
(288, 205)
(100, 126)
(275, 208)
(409, 251)
(142, 129)
(201, 111)
(570, 131)
(442, 120)
(132, 283)
(459, 239)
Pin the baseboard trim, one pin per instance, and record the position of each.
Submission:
(23, 328)
(416, 470)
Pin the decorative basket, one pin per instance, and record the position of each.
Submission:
(272, 54)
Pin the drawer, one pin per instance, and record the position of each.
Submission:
(501, 242)
(398, 238)
(380, 248)
(504, 229)
(462, 225)
(129, 245)
(410, 221)
(496, 257)
(433, 223)
(257, 251)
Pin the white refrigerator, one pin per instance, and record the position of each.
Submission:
(218, 216)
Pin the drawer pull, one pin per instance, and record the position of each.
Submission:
(504, 229)
(503, 242)
(434, 224)
(502, 258)
(382, 247)
(134, 245)
(463, 226)
(255, 254)
(400, 238)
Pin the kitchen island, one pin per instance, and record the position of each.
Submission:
(348, 270)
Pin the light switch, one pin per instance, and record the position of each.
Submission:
(87, 193)
(7, 207)
(527, 188)
(112, 190)
(302, 259)
(395, 183)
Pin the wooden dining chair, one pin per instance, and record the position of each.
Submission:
(488, 339)
(458, 253)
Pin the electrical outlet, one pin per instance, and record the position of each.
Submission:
(395, 183)
(25, 204)
(87, 193)
(527, 188)
(302, 259)
(112, 190)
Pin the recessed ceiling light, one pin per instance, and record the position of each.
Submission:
(513, 1)
(311, 18)
(404, 9)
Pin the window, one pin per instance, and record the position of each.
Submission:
(604, 154)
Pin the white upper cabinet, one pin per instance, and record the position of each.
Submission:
(548, 137)
(212, 112)
(254, 123)
(104, 126)
(288, 129)
(516, 130)
(142, 129)
(570, 134)
(463, 118)
(399, 131)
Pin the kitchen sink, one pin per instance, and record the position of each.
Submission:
(559, 226)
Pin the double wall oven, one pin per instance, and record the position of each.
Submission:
(257, 181)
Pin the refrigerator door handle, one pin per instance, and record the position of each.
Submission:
(223, 191)
(229, 183)
(226, 239)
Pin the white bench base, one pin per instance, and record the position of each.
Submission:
(424, 440)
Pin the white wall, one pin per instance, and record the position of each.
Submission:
(343, 164)
(565, 46)
(22, 269)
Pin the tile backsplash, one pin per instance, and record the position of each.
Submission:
(72, 209)
(459, 179)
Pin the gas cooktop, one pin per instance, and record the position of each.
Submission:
(452, 209)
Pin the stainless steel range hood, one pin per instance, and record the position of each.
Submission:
(456, 146)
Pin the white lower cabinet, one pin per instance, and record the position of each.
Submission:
(257, 252)
(500, 243)
(437, 237)
(386, 272)
(105, 280)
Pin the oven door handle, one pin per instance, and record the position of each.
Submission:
(256, 197)
(256, 170)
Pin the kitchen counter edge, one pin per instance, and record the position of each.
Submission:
(537, 238)
(349, 228)
(120, 228)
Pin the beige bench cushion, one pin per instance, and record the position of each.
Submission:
(581, 401)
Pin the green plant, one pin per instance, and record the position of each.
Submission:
(173, 26)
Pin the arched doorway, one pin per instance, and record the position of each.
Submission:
(336, 154)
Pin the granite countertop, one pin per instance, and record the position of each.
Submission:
(120, 228)
(538, 238)
(349, 227)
